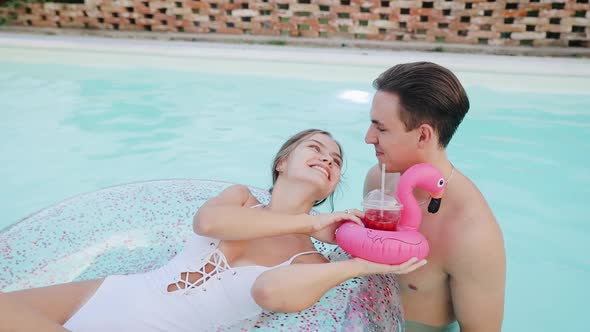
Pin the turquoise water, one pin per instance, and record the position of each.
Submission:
(70, 127)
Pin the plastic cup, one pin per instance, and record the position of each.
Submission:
(381, 214)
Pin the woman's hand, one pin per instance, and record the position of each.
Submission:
(369, 268)
(325, 224)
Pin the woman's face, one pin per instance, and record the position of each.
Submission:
(315, 160)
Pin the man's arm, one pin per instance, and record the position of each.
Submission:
(373, 180)
(477, 275)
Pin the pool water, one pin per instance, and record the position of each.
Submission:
(75, 122)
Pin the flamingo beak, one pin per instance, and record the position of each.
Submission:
(435, 201)
(434, 205)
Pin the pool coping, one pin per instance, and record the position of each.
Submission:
(214, 48)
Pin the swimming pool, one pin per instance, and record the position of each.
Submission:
(82, 114)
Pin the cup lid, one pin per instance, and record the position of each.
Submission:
(373, 201)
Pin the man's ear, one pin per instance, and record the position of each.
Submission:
(425, 135)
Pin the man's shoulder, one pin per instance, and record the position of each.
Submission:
(374, 173)
(469, 201)
(373, 180)
(472, 222)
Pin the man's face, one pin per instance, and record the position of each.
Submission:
(394, 146)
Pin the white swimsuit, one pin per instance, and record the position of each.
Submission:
(142, 302)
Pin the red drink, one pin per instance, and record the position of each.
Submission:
(384, 220)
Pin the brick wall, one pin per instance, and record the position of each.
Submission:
(502, 22)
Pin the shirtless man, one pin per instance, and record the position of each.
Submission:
(415, 112)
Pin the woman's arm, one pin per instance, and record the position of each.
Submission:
(228, 216)
(297, 287)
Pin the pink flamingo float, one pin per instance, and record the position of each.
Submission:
(396, 247)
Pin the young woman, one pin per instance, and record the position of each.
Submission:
(243, 258)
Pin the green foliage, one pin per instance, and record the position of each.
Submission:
(276, 42)
(19, 3)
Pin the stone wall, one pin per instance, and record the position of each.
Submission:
(558, 23)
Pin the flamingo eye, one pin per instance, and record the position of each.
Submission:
(441, 183)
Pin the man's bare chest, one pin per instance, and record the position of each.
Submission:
(433, 275)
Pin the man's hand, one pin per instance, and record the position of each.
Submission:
(369, 268)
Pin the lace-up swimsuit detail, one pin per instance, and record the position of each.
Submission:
(196, 291)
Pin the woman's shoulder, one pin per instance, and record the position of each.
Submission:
(307, 253)
(237, 189)
(237, 193)
(310, 257)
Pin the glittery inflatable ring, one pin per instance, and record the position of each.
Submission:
(140, 226)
